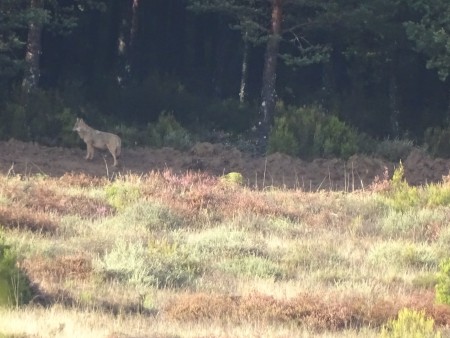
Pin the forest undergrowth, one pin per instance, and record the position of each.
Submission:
(169, 255)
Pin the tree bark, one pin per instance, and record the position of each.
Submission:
(448, 105)
(126, 42)
(34, 49)
(244, 71)
(393, 106)
(268, 92)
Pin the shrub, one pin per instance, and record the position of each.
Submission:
(437, 141)
(403, 255)
(36, 120)
(151, 215)
(14, 285)
(335, 138)
(66, 120)
(131, 136)
(394, 150)
(411, 324)
(121, 193)
(232, 178)
(308, 132)
(161, 263)
(252, 266)
(283, 139)
(443, 282)
(167, 132)
(414, 223)
(437, 194)
(228, 114)
(401, 196)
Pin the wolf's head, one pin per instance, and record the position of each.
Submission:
(79, 124)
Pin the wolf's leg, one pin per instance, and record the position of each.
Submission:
(90, 152)
(112, 150)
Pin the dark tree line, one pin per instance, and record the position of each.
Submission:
(381, 66)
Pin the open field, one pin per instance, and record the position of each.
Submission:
(193, 255)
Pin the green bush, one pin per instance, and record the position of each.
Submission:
(404, 255)
(437, 194)
(230, 115)
(394, 150)
(437, 141)
(33, 118)
(283, 139)
(411, 324)
(252, 266)
(131, 136)
(308, 132)
(66, 120)
(151, 215)
(161, 263)
(443, 282)
(167, 132)
(120, 194)
(232, 178)
(42, 116)
(401, 196)
(14, 285)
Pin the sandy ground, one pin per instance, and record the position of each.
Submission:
(278, 170)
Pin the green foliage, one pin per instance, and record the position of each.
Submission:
(67, 136)
(252, 266)
(14, 285)
(161, 263)
(150, 215)
(403, 255)
(131, 136)
(402, 196)
(11, 41)
(431, 35)
(425, 281)
(308, 132)
(283, 139)
(173, 264)
(335, 138)
(120, 194)
(233, 178)
(437, 195)
(41, 117)
(411, 324)
(443, 282)
(413, 223)
(437, 141)
(394, 150)
(229, 114)
(167, 132)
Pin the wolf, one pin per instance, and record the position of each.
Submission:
(98, 139)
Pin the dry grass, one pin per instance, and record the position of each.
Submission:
(314, 311)
(58, 269)
(167, 255)
(19, 217)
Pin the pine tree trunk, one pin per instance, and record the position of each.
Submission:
(448, 107)
(393, 106)
(33, 53)
(134, 21)
(244, 71)
(126, 42)
(268, 93)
